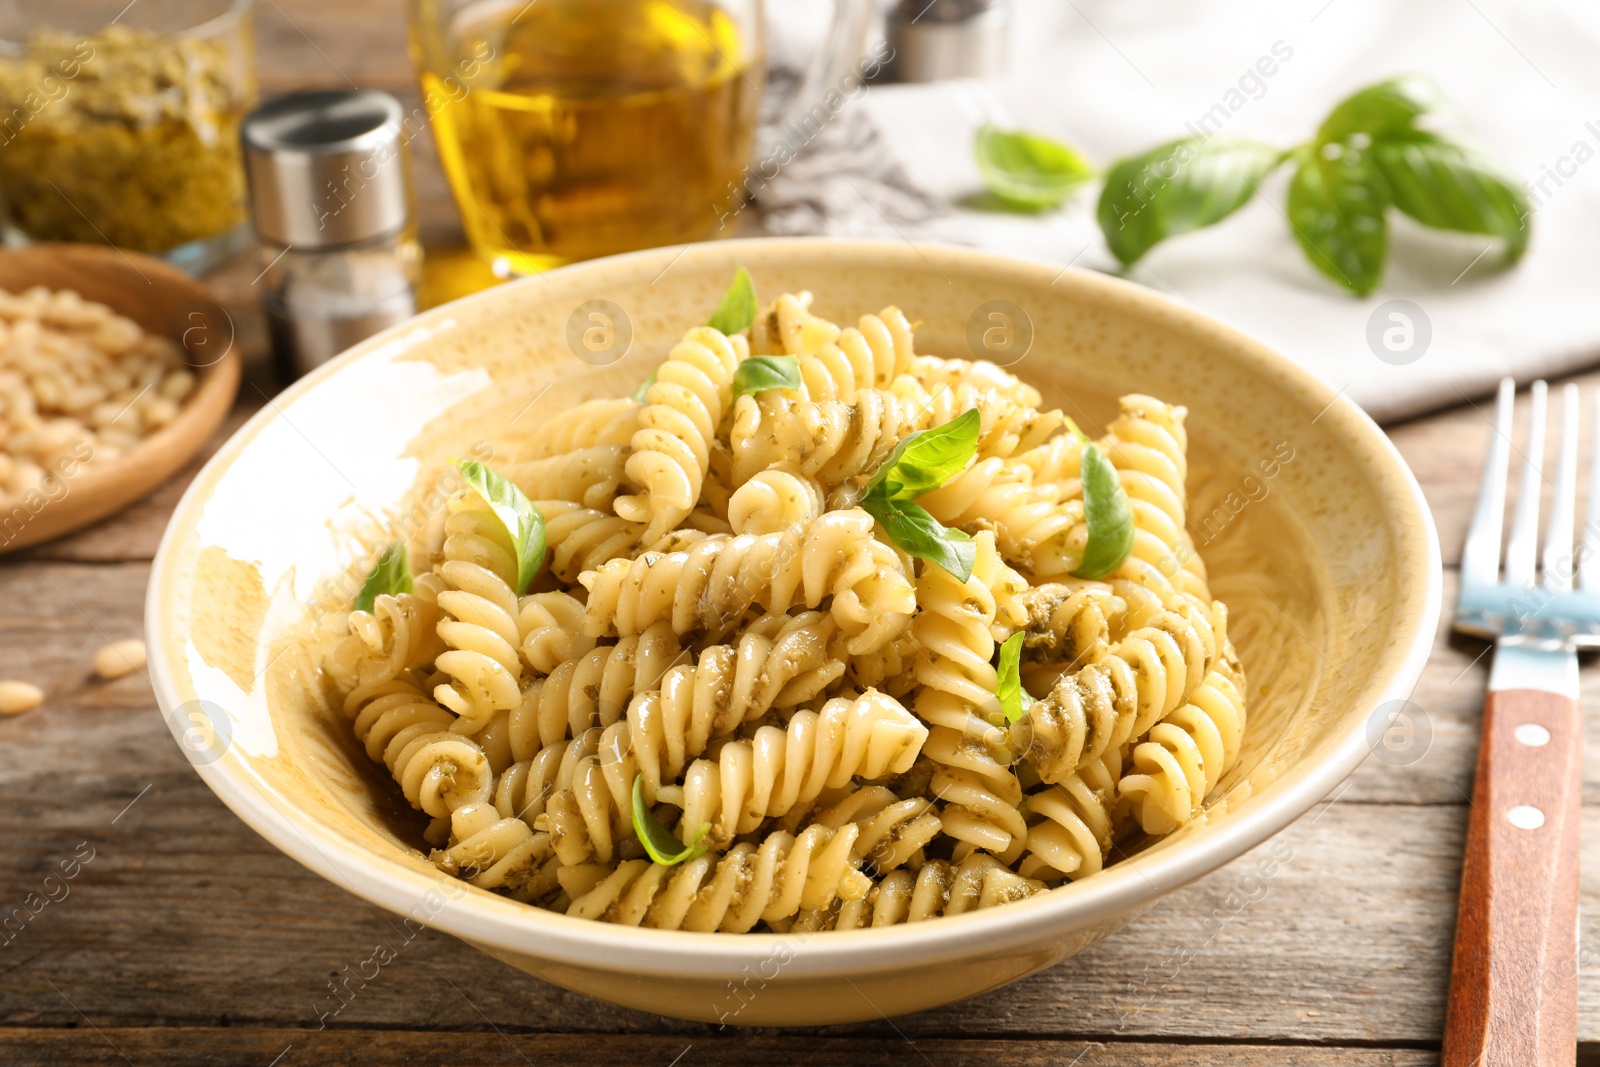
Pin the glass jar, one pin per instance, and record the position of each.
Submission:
(119, 124)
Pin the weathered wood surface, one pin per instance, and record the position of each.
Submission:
(187, 939)
(185, 1047)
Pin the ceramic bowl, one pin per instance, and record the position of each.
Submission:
(1315, 533)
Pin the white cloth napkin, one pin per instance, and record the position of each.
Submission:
(1115, 77)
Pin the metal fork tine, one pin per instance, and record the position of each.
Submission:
(1480, 557)
(1556, 569)
(1589, 563)
(1523, 543)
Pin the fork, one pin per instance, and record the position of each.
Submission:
(1514, 979)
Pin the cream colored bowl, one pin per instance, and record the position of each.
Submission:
(1315, 533)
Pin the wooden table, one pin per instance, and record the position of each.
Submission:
(188, 939)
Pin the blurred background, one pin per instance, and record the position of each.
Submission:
(529, 134)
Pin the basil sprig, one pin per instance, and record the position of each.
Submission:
(1372, 152)
(921, 463)
(1027, 171)
(657, 839)
(1014, 699)
(737, 309)
(1180, 186)
(522, 521)
(760, 373)
(1108, 514)
(391, 575)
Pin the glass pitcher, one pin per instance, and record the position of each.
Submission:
(571, 129)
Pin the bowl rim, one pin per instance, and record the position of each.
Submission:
(1120, 891)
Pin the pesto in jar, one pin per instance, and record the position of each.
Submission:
(125, 137)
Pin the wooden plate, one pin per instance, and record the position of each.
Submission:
(161, 299)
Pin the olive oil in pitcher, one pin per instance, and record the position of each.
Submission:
(589, 127)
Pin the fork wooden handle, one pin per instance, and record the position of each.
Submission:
(1514, 981)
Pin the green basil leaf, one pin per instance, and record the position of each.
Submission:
(1450, 186)
(1027, 171)
(1108, 514)
(760, 373)
(927, 459)
(641, 395)
(1014, 699)
(913, 530)
(1387, 109)
(1184, 185)
(522, 521)
(657, 839)
(1336, 209)
(391, 574)
(738, 307)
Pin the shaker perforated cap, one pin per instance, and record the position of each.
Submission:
(327, 168)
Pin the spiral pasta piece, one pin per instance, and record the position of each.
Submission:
(1178, 765)
(591, 424)
(580, 538)
(591, 689)
(957, 701)
(588, 476)
(734, 891)
(588, 813)
(1034, 530)
(775, 500)
(1071, 824)
(889, 668)
(828, 441)
(493, 851)
(437, 769)
(1147, 444)
(787, 327)
(711, 586)
(670, 452)
(1006, 427)
(778, 662)
(1070, 622)
(869, 355)
(872, 736)
(524, 788)
(893, 831)
(399, 634)
(479, 628)
(1057, 463)
(550, 630)
(982, 374)
(1151, 672)
(937, 888)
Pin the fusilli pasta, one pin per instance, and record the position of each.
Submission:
(670, 452)
(759, 682)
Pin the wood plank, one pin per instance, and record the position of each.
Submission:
(1323, 935)
(181, 1047)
